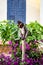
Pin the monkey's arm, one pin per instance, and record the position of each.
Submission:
(26, 31)
(26, 34)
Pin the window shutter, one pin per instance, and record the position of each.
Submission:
(16, 10)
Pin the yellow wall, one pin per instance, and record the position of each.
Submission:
(32, 10)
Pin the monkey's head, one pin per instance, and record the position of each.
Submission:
(20, 24)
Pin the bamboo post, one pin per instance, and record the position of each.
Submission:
(23, 50)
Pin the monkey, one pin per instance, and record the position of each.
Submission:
(23, 32)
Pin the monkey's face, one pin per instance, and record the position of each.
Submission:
(20, 25)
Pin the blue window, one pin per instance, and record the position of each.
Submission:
(16, 10)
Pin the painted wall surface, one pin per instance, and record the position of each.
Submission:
(32, 10)
(41, 12)
(3, 9)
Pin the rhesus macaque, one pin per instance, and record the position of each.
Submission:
(23, 32)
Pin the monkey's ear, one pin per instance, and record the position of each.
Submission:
(19, 22)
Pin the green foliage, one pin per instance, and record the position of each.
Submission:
(34, 45)
(36, 31)
(34, 54)
(19, 53)
(8, 30)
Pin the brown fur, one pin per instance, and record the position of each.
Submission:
(20, 24)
